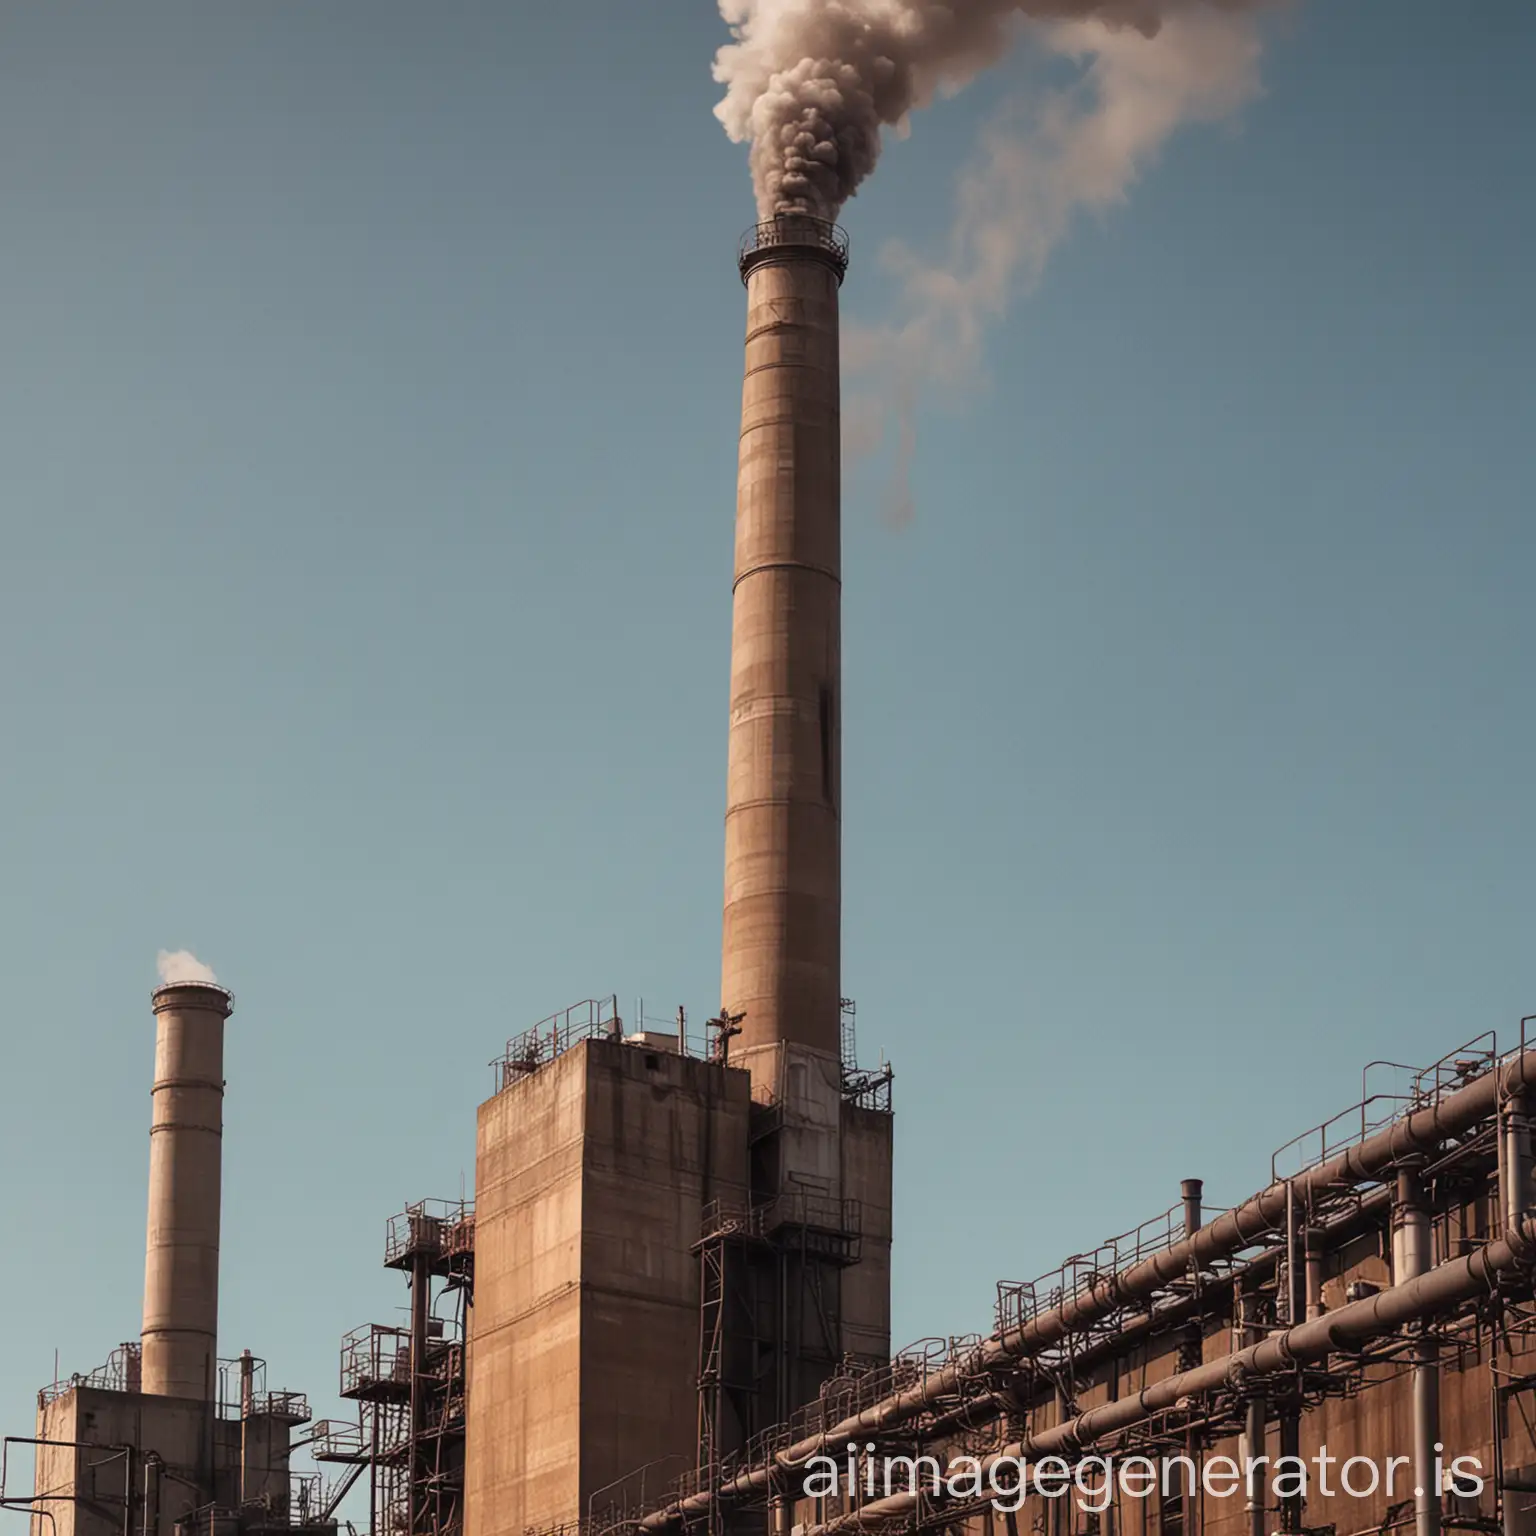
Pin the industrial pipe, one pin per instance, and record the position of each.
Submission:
(1190, 1192)
(416, 1422)
(1293, 1505)
(1412, 1301)
(1256, 1434)
(988, 1406)
(1411, 1258)
(1420, 1132)
(1316, 1259)
(1515, 1164)
(181, 1261)
(152, 1470)
(247, 1408)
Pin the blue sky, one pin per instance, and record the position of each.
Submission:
(367, 417)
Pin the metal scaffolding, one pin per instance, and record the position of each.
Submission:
(409, 1383)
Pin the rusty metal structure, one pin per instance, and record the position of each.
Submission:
(770, 1282)
(409, 1383)
(1382, 1281)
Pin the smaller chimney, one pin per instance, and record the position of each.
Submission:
(1191, 1192)
(181, 1260)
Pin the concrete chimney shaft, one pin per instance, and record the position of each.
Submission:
(783, 888)
(181, 1262)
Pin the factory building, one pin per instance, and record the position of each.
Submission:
(165, 1437)
(669, 1299)
(1373, 1301)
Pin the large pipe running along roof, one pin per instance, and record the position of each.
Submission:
(1239, 1228)
(1446, 1286)
(975, 1412)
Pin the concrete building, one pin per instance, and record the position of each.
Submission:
(1374, 1305)
(116, 1461)
(593, 1172)
(632, 1290)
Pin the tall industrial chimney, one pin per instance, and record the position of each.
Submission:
(181, 1265)
(783, 888)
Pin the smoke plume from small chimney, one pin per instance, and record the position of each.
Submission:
(181, 965)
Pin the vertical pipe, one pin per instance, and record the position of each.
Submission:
(1426, 1437)
(421, 1296)
(1316, 1257)
(1255, 1435)
(373, 1470)
(1411, 1258)
(181, 1262)
(1190, 1191)
(1256, 1419)
(1515, 1203)
(1059, 1517)
(781, 939)
(786, 1353)
(247, 1403)
(1292, 1505)
(151, 1494)
(1515, 1163)
(1110, 1519)
(1295, 1307)
(1509, 1518)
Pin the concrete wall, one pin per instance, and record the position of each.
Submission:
(591, 1178)
(664, 1136)
(867, 1146)
(84, 1485)
(263, 1451)
(525, 1362)
(57, 1477)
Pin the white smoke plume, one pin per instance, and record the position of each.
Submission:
(181, 965)
(810, 84)
(1077, 150)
